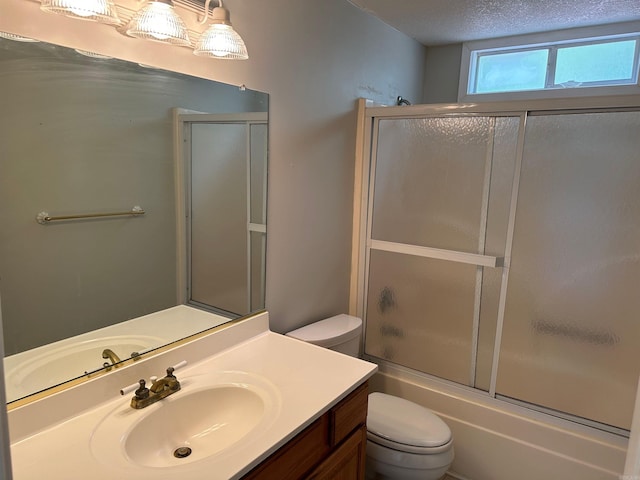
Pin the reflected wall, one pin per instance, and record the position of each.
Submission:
(78, 135)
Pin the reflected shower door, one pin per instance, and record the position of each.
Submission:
(227, 185)
(571, 319)
(257, 242)
(219, 216)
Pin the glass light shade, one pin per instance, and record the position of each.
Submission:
(221, 41)
(17, 38)
(102, 11)
(158, 21)
(87, 53)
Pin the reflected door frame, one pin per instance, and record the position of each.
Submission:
(182, 119)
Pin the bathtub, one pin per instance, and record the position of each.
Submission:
(497, 440)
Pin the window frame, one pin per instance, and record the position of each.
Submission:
(551, 41)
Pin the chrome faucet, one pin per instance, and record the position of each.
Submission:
(111, 355)
(159, 389)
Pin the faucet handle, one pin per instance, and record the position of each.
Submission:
(170, 371)
(143, 391)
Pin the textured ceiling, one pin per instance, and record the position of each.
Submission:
(439, 22)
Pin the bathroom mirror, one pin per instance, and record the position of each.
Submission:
(83, 135)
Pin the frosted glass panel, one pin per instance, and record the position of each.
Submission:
(571, 322)
(420, 313)
(219, 216)
(257, 259)
(429, 181)
(258, 173)
(503, 165)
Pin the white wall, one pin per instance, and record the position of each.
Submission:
(314, 59)
(442, 73)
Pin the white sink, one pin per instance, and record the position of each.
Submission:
(52, 365)
(208, 416)
(260, 390)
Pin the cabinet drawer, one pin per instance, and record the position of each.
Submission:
(349, 414)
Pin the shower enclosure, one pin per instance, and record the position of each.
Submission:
(500, 250)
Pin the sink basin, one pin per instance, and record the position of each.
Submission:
(199, 424)
(44, 367)
(208, 416)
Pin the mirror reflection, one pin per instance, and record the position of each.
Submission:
(81, 135)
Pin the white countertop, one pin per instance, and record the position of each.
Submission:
(53, 436)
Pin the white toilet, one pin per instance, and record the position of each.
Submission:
(405, 441)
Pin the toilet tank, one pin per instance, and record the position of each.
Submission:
(341, 333)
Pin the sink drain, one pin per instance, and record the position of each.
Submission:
(182, 452)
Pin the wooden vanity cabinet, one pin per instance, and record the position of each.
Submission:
(346, 462)
(331, 448)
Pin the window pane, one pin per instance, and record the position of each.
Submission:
(608, 62)
(508, 72)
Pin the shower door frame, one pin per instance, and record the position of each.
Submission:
(368, 116)
(182, 121)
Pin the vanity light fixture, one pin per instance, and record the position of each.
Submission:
(220, 40)
(87, 53)
(102, 11)
(158, 21)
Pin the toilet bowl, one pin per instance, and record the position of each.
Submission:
(405, 441)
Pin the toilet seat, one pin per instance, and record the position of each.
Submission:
(405, 426)
(401, 447)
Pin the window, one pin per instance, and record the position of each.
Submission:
(508, 69)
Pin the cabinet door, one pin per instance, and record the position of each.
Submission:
(298, 456)
(347, 462)
(349, 414)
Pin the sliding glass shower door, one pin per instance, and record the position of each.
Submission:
(571, 332)
(438, 227)
(503, 253)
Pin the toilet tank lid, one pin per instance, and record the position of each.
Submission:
(404, 422)
(330, 331)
